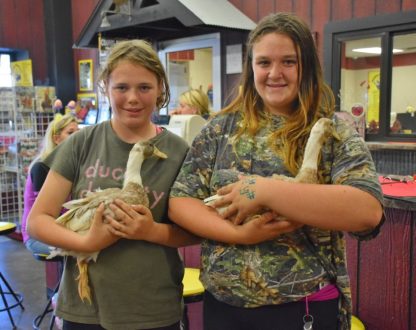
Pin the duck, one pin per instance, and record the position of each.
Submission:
(321, 131)
(80, 212)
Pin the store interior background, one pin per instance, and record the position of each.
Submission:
(383, 292)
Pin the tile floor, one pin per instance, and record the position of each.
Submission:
(26, 275)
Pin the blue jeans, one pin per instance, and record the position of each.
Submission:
(35, 246)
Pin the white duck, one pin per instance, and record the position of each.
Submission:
(81, 211)
(308, 172)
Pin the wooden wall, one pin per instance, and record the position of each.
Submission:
(81, 10)
(22, 27)
(22, 22)
(383, 275)
(319, 12)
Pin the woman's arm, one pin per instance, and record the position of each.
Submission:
(332, 207)
(204, 221)
(47, 207)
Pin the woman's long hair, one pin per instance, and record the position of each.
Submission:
(315, 98)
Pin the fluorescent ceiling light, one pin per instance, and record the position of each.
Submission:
(374, 50)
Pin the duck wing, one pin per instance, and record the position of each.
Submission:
(81, 211)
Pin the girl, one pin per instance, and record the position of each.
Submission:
(136, 283)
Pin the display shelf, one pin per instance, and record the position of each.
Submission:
(21, 132)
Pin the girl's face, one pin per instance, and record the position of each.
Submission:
(275, 68)
(67, 131)
(133, 91)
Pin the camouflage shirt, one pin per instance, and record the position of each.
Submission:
(289, 267)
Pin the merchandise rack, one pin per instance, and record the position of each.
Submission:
(21, 131)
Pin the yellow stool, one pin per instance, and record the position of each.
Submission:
(5, 229)
(356, 324)
(193, 291)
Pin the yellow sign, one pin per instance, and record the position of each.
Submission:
(22, 73)
(373, 96)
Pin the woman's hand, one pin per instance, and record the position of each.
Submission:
(240, 199)
(175, 112)
(130, 221)
(99, 235)
(265, 227)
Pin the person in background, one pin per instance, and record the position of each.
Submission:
(137, 280)
(58, 130)
(58, 107)
(71, 107)
(210, 94)
(287, 270)
(193, 102)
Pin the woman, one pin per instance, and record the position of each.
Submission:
(136, 282)
(58, 130)
(193, 102)
(285, 270)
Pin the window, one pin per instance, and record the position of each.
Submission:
(371, 66)
(5, 71)
(201, 70)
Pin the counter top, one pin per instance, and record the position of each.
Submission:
(399, 192)
(402, 203)
(391, 145)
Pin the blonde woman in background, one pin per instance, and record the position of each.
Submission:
(193, 102)
(58, 130)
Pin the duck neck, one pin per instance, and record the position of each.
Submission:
(311, 155)
(134, 166)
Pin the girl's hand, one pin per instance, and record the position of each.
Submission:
(240, 199)
(99, 235)
(130, 221)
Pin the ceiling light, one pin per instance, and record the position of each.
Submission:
(374, 50)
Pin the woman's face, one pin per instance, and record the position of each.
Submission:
(67, 131)
(133, 91)
(186, 109)
(275, 68)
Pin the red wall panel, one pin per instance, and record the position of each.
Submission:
(249, 8)
(302, 8)
(364, 8)
(22, 28)
(387, 7)
(321, 11)
(408, 5)
(284, 6)
(81, 11)
(412, 282)
(341, 9)
(8, 19)
(384, 274)
(265, 8)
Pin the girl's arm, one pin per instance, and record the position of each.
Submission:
(136, 222)
(47, 207)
